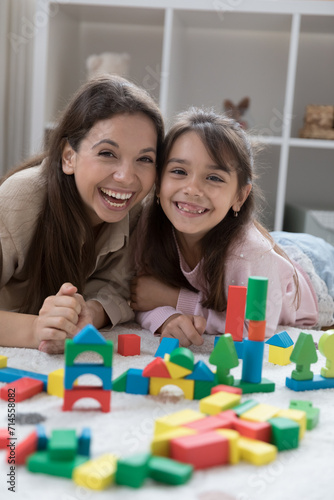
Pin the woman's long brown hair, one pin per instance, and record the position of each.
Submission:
(62, 247)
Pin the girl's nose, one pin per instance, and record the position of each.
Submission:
(193, 187)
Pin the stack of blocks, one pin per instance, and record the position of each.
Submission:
(280, 348)
(89, 339)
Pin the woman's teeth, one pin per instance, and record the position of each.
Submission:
(185, 209)
(108, 194)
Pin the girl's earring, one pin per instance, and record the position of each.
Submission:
(158, 200)
(236, 214)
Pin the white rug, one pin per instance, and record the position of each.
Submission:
(305, 473)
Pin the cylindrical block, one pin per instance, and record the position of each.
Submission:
(252, 361)
(256, 298)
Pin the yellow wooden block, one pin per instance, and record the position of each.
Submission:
(55, 385)
(96, 474)
(261, 413)
(256, 452)
(220, 401)
(177, 419)
(233, 438)
(160, 444)
(3, 361)
(298, 416)
(280, 355)
(187, 386)
(177, 371)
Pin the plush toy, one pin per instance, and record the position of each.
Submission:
(236, 111)
(108, 62)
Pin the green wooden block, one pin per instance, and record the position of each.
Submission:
(284, 433)
(248, 387)
(245, 406)
(203, 388)
(224, 357)
(326, 347)
(63, 444)
(256, 302)
(312, 414)
(166, 470)
(132, 471)
(73, 349)
(183, 357)
(304, 354)
(41, 462)
(119, 384)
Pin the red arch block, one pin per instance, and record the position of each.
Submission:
(84, 391)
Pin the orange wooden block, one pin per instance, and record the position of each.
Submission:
(22, 449)
(226, 388)
(203, 450)
(235, 311)
(157, 368)
(256, 330)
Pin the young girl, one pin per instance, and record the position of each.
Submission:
(200, 235)
(65, 217)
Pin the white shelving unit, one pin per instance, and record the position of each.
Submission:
(195, 52)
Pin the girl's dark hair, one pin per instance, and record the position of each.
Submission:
(56, 254)
(226, 143)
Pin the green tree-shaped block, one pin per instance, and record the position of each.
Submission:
(326, 347)
(224, 357)
(304, 354)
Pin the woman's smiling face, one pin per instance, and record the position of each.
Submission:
(115, 166)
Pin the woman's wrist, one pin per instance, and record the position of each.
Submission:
(99, 316)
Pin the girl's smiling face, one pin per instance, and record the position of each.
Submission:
(115, 166)
(196, 193)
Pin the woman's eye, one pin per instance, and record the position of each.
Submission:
(107, 154)
(146, 159)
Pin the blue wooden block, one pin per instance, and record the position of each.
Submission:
(281, 339)
(136, 383)
(252, 361)
(201, 372)
(89, 335)
(318, 382)
(84, 442)
(42, 439)
(75, 371)
(166, 346)
(239, 347)
(11, 374)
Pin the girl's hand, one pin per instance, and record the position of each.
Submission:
(185, 327)
(147, 293)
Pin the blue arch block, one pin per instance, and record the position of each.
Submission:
(75, 371)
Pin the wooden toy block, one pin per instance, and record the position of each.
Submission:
(227, 417)
(167, 345)
(4, 437)
(3, 361)
(207, 424)
(96, 474)
(318, 382)
(84, 442)
(216, 403)
(42, 439)
(256, 452)
(326, 347)
(160, 444)
(226, 388)
(257, 330)
(165, 470)
(201, 372)
(247, 387)
(119, 383)
(55, 385)
(203, 450)
(261, 413)
(136, 383)
(132, 471)
(280, 355)
(285, 433)
(41, 462)
(177, 419)
(89, 335)
(256, 303)
(281, 339)
(71, 396)
(72, 373)
(187, 386)
(304, 354)
(312, 413)
(298, 416)
(203, 389)
(129, 344)
(24, 388)
(252, 361)
(245, 406)
(175, 371)
(233, 448)
(157, 368)
(254, 430)
(183, 357)
(23, 448)
(235, 311)
(224, 357)
(11, 374)
(239, 347)
(73, 349)
(63, 444)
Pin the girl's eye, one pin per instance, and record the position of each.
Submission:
(178, 171)
(215, 178)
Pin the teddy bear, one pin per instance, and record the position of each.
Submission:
(108, 62)
(236, 111)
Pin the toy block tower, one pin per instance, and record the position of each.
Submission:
(89, 339)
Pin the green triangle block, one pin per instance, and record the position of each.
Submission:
(119, 383)
(132, 471)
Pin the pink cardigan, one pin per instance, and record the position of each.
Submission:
(252, 256)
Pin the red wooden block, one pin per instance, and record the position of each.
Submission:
(235, 311)
(24, 388)
(226, 388)
(157, 368)
(228, 417)
(4, 435)
(209, 424)
(254, 430)
(19, 451)
(128, 344)
(201, 450)
(256, 330)
(83, 391)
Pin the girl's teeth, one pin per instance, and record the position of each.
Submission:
(184, 209)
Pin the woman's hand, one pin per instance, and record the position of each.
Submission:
(185, 327)
(148, 292)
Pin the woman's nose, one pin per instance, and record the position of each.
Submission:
(124, 172)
